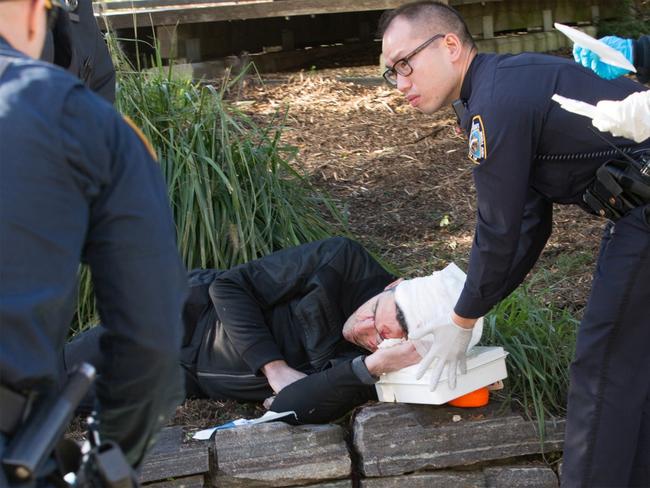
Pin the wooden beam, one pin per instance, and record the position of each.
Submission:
(220, 11)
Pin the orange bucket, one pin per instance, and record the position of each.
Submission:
(476, 398)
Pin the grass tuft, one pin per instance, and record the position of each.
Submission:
(540, 340)
(233, 192)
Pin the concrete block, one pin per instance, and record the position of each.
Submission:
(331, 484)
(197, 481)
(439, 479)
(547, 19)
(488, 26)
(521, 477)
(393, 439)
(277, 454)
(174, 457)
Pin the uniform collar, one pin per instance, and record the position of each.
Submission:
(466, 89)
(7, 49)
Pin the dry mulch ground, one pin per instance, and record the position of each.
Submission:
(404, 182)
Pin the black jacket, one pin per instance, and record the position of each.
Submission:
(77, 45)
(290, 305)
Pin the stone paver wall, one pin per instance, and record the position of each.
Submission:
(390, 445)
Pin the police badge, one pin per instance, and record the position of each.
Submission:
(477, 147)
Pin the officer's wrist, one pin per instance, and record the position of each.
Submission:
(463, 322)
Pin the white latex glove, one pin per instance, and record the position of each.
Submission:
(628, 118)
(449, 348)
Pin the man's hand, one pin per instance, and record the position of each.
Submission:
(448, 349)
(389, 359)
(280, 374)
(268, 402)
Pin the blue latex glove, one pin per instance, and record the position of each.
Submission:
(591, 60)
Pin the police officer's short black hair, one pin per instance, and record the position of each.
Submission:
(422, 12)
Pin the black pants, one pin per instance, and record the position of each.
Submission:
(85, 347)
(320, 397)
(607, 441)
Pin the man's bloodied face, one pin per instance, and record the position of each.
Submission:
(374, 321)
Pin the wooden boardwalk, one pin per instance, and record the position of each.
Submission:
(127, 13)
(194, 31)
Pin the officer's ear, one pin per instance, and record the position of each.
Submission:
(36, 27)
(453, 45)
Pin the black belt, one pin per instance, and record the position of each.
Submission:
(13, 407)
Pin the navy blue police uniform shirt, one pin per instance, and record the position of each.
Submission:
(78, 184)
(521, 141)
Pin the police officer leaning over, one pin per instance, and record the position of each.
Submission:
(528, 154)
(78, 184)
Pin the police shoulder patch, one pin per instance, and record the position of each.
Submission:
(141, 136)
(477, 144)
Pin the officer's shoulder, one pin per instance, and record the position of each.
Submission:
(45, 76)
(531, 61)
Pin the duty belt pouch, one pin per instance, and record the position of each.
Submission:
(14, 408)
(619, 187)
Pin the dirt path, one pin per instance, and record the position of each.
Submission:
(403, 178)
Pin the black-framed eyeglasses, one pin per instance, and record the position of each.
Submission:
(402, 66)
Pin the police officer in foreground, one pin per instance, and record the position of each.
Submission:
(528, 154)
(75, 43)
(78, 184)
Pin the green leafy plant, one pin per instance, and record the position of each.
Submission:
(540, 340)
(633, 22)
(233, 192)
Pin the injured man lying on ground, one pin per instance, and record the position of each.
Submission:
(298, 328)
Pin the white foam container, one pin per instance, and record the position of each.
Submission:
(485, 365)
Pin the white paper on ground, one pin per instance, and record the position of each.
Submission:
(607, 53)
(205, 434)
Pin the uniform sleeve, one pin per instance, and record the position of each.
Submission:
(507, 235)
(642, 58)
(244, 294)
(138, 277)
(536, 228)
(325, 396)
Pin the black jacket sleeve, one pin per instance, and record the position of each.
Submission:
(325, 396)
(642, 58)
(243, 296)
